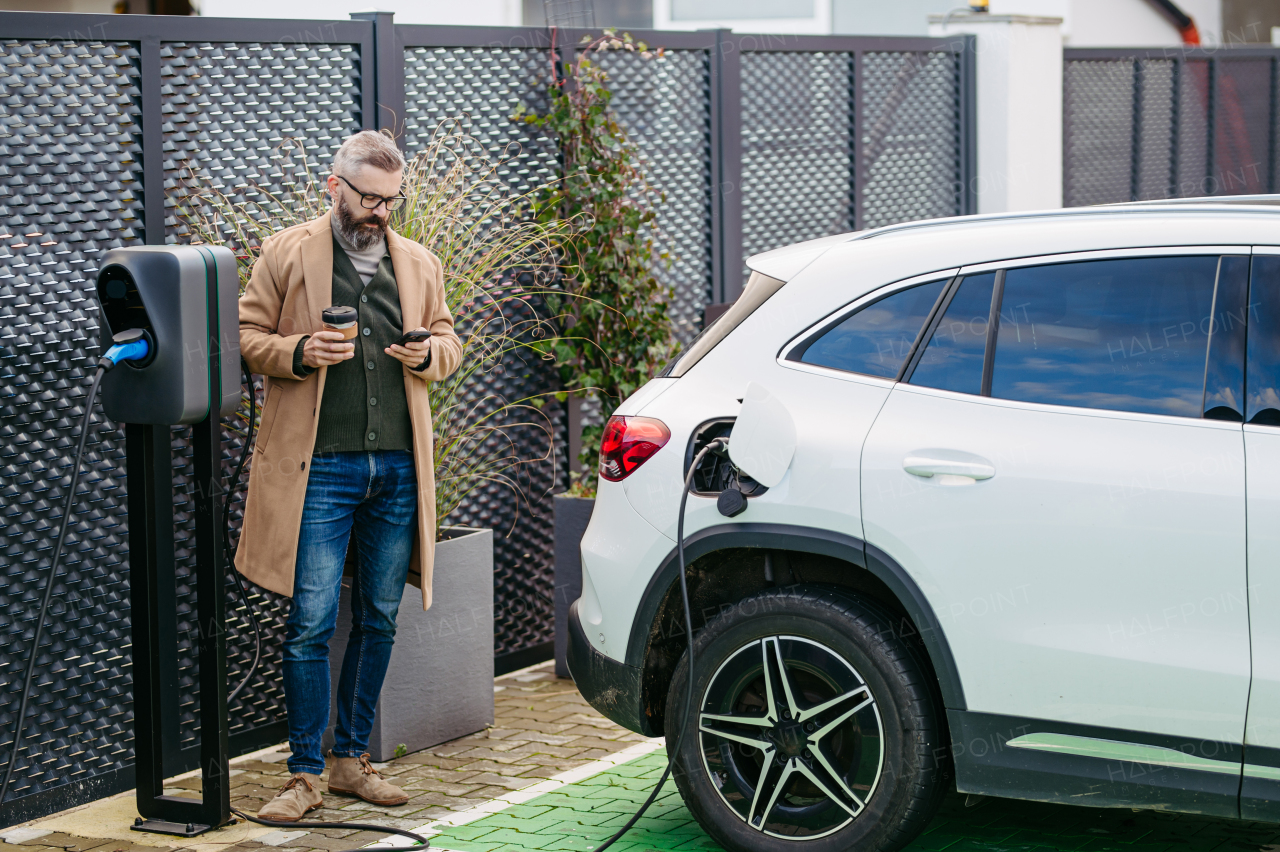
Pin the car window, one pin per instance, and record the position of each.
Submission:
(1128, 334)
(877, 338)
(953, 358)
(1263, 400)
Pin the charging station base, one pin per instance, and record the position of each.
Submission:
(161, 826)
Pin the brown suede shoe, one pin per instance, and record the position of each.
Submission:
(355, 776)
(299, 795)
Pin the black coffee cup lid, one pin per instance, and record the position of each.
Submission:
(338, 315)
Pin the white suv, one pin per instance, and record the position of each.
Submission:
(1029, 535)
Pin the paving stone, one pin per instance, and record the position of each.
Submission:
(509, 768)
(27, 835)
(281, 837)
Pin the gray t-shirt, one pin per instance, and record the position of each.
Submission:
(365, 262)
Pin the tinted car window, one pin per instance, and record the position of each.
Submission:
(953, 358)
(877, 338)
(1263, 400)
(1128, 334)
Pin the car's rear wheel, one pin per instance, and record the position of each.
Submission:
(814, 725)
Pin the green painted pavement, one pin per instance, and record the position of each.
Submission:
(578, 817)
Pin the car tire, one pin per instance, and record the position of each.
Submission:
(870, 782)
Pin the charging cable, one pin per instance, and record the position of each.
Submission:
(421, 845)
(716, 446)
(131, 345)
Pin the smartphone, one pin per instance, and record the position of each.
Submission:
(412, 337)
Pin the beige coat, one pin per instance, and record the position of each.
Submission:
(292, 283)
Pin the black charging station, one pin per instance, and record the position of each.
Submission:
(185, 300)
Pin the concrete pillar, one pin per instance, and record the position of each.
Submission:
(1019, 107)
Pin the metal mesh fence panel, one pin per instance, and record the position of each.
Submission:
(1156, 125)
(1243, 134)
(808, 171)
(910, 137)
(664, 105)
(1193, 129)
(231, 110)
(1098, 131)
(70, 189)
(235, 113)
(1141, 126)
(476, 91)
(797, 148)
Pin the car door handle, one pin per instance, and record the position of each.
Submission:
(928, 463)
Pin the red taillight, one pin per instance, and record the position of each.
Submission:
(628, 443)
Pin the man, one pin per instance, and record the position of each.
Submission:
(344, 447)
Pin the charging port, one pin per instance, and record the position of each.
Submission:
(122, 307)
(716, 473)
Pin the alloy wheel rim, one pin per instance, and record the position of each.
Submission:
(791, 737)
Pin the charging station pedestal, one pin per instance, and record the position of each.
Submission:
(185, 298)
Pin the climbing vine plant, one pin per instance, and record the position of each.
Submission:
(615, 328)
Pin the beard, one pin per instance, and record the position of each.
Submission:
(361, 233)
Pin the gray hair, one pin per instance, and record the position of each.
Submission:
(368, 148)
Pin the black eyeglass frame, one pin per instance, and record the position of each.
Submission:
(393, 202)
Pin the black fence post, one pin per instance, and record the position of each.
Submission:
(386, 68)
(1175, 125)
(857, 171)
(1135, 139)
(1271, 129)
(150, 84)
(1211, 132)
(968, 200)
(726, 168)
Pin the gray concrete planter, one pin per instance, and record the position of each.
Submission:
(439, 684)
(572, 514)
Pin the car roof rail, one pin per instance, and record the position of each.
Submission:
(1213, 204)
(804, 253)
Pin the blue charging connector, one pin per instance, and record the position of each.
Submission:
(135, 351)
(131, 345)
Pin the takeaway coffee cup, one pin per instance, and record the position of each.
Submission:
(340, 318)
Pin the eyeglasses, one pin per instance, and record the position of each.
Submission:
(370, 201)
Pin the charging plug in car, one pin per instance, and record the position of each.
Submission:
(731, 502)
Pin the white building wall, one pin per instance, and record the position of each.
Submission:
(1019, 109)
(1085, 23)
(488, 13)
(779, 16)
(1132, 23)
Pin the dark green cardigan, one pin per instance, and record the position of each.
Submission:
(364, 406)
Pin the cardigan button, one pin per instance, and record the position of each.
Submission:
(367, 332)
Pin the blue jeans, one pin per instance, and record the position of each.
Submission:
(377, 493)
